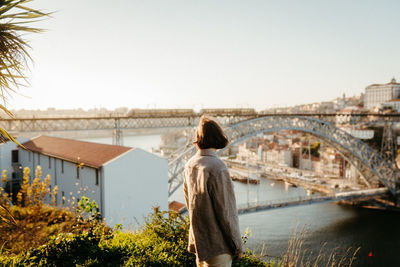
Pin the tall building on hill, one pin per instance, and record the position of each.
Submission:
(376, 94)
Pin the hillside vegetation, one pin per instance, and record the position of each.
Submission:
(35, 233)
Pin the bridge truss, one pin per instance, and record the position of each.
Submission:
(105, 123)
(374, 169)
(145, 121)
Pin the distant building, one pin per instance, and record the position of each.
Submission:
(348, 115)
(125, 182)
(280, 155)
(333, 164)
(360, 133)
(309, 162)
(376, 94)
(394, 104)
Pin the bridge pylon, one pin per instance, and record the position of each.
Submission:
(389, 144)
(117, 136)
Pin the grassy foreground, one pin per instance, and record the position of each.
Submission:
(50, 236)
(33, 233)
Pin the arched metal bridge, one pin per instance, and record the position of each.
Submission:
(372, 167)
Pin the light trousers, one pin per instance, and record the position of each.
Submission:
(223, 260)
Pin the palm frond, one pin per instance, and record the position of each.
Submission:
(16, 19)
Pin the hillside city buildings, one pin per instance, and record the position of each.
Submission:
(375, 96)
(293, 149)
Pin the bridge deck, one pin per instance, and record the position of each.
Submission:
(306, 200)
(159, 120)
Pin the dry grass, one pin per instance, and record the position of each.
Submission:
(297, 255)
(34, 225)
(34, 218)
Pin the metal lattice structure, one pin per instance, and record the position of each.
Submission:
(165, 120)
(373, 168)
(389, 144)
(105, 123)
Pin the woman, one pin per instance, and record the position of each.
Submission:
(214, 229)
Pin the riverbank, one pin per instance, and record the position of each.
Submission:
(312, 183)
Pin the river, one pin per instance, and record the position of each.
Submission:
(331, 226)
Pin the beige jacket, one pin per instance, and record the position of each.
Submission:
(210, 199)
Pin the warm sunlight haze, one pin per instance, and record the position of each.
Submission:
(195, 54)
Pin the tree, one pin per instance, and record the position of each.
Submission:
(15, 20)
(314, 149)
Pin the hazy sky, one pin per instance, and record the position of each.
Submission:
(220, 53)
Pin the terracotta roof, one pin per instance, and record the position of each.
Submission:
(176, 206)
(90, 154)
(272, 145)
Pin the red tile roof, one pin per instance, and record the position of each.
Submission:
(90, 154)
(176, 206)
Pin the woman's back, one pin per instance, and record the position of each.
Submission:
(214, 228)
(211, 204)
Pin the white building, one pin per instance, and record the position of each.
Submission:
(283, 157)
(9, 163)
(125, 182)
(376, 94)
(360, 133)
(6, 158)
(349, 115)
(246, 152)
(393, 104)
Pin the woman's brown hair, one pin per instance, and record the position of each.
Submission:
(210, 135)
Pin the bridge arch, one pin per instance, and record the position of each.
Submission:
(368, 162)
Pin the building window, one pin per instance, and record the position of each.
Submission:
(62, 166)
(62, 197)
(97, 177)
(14, 156)
(77, 172)
(49, 163)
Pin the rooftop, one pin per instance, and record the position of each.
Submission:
(90, 154)
(392, 82)
(176, 206)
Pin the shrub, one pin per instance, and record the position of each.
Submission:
(33, 233)
(30, 222)
(161, 242)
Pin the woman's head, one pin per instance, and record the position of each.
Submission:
(210, 135)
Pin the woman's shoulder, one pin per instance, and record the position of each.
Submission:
(214, 164)
(191, 161)
(210, 163)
